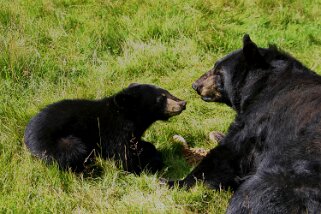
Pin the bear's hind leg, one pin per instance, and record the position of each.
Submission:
(71, 152)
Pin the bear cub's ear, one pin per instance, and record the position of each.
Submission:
(128, 98)
(133, 84)
(124, 100)
(252, 54)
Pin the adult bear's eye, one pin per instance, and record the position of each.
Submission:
(219, 82)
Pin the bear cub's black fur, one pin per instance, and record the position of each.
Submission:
(73, 132)
(271, 155)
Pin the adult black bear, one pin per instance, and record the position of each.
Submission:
(271, 155)
(72, 131)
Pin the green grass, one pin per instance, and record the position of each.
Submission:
(50, 50)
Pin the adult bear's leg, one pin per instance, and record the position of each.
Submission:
(217, 170)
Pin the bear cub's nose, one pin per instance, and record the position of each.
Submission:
(183, 104)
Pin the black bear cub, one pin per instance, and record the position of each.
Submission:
(271, 154)
(73, 132)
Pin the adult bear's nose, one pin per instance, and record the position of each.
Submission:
(194, 86)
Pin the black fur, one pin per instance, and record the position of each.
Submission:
(271, 155)
(73, 132)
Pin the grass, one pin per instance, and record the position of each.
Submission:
(51, 50)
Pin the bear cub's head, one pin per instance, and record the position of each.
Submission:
(149, 101)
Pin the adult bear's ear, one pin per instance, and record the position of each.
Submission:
(251, 53)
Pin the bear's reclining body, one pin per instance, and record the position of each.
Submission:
(71, 132)
(271, 155)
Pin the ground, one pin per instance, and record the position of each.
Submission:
(50, 50)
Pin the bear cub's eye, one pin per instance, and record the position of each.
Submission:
(161, 98)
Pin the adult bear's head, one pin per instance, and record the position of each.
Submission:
(235, 78)
(149, 102)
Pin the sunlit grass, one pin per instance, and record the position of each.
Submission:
(51, 50)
